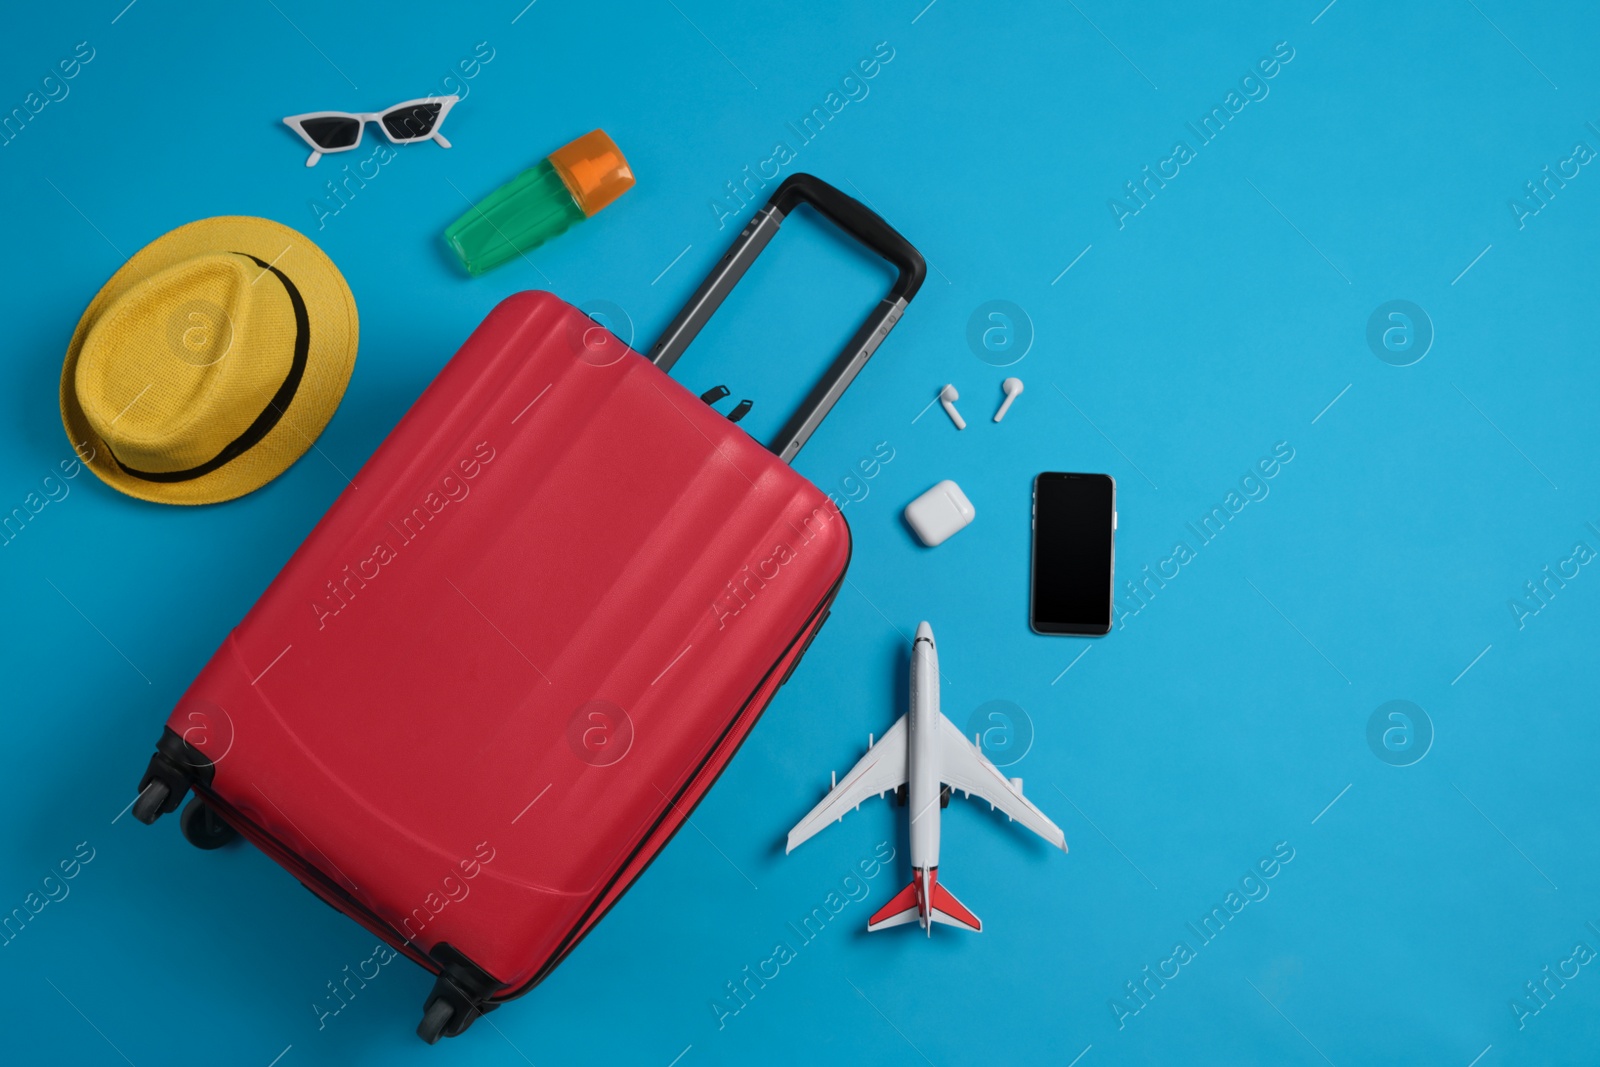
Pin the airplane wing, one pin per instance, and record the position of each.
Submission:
(883, 768)
(964, 767)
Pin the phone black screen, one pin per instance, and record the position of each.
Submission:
(1072, 553)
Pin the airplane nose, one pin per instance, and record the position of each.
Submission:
(924, 631)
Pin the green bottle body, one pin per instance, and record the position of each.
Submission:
(514, 219)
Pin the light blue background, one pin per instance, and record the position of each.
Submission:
(1224, 318)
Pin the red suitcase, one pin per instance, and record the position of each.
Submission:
(520, 647)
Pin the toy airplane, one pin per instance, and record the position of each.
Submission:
(923, 757)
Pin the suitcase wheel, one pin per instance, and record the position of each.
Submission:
(462, 991)
(147, 809)
(203, 828)
(175, 766)
(434, 1019)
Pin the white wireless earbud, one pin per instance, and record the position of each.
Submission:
(1013, 388)
(947, 398)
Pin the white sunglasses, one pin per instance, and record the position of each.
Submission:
(340, 131)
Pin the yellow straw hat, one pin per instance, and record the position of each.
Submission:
(209, 362)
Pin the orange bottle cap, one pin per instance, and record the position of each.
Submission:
(593, 170)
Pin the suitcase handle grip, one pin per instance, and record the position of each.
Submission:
(860, 222)
(854, 218)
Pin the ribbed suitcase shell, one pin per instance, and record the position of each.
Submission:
(419, 718)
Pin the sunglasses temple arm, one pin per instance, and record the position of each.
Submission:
(312, 160)
(440, 141)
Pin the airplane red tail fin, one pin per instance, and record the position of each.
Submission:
(950, 911)
(941, 906)
(902, 908)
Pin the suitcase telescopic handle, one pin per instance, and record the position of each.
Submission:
(854, 218)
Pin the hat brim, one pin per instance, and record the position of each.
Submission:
(330, 358)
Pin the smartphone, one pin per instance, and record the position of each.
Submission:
(1074, 549)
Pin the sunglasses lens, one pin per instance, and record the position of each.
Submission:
(412, 121)
(333, 132)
